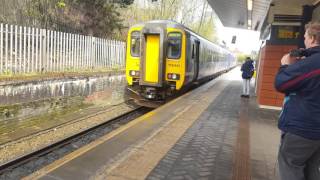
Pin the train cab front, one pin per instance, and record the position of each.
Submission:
(133, 60)
(153, 69)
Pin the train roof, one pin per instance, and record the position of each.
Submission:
(169, 23)
(174, 24)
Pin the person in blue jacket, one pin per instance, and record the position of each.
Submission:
(247, 69)
(299, 79)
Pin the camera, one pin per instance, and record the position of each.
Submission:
(298, 53)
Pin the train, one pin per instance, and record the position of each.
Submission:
(164, 57)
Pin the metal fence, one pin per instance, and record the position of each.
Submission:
(29, 50)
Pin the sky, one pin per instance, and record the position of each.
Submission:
(246, 40)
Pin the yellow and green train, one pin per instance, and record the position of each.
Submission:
(164, 57)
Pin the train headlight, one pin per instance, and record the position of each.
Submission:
(173, 76)
(134, 73)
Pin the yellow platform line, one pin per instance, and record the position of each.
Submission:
(58, 163)
(158, 146)
(140, 145)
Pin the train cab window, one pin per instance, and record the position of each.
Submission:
(135, 44)
(174, 45)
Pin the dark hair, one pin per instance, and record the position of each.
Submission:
(313, 30)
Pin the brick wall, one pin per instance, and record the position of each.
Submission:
(269, 63)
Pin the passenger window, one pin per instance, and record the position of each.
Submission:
(174, 45)
(135, 44)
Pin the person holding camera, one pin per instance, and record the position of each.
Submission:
(247, 69)
(299, 79)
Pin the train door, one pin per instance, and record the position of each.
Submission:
(195, 58)
(152, 55)
(152, 58)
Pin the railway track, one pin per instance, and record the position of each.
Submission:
(28, 163)
(31, 162)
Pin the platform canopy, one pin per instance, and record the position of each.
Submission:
(252, 14)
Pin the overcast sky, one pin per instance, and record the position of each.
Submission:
(246, 41)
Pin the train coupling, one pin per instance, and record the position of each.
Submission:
(150, 93)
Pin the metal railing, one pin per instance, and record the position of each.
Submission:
(34, 50)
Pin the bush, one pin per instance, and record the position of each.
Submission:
(242, 57)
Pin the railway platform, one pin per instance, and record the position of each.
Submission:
(208, 133)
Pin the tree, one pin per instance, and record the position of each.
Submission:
(94, 17)
(12, 11)
(184, 11)
(108, 18)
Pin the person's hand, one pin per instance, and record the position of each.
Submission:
(287, 59)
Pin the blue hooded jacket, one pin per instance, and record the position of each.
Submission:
(301, 84)
(247, 69)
